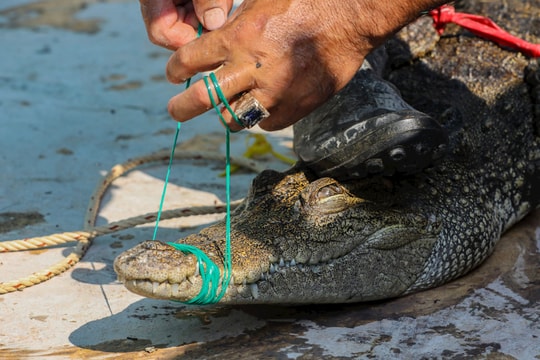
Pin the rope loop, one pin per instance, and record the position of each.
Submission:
(208, 270)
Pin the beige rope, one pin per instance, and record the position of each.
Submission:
(86, 236)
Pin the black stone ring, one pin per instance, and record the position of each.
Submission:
(250, 111)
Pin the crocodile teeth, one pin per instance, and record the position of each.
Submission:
(155, 285)
(130, 283)
(254, 290)
(272, 269)
(197, 271)
(281, 262)
(293, 262)
(174, 289)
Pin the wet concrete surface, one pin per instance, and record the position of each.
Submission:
(81, 89)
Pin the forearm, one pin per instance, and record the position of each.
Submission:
(354, 28)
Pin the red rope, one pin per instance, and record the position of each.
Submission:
(482, 27)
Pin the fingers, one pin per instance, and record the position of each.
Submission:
(173, 23)
(196, 99)
(212, 13)
(167, 24)
(203, 54)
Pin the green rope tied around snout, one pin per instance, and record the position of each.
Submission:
(212, 279)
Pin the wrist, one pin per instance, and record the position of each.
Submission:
(380, 19)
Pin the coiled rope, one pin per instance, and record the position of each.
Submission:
(90, 231)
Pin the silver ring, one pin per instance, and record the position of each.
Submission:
(250, 111)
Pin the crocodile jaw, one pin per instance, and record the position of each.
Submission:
(144, 272)
(155, 269)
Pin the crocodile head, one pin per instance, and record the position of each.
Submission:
(299, 239)
(296, 241)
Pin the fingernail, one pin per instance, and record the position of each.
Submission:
(214, 19)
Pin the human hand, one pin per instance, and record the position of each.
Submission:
(173, 23)
(291, 55)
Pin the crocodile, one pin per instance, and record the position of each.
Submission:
(299, 239)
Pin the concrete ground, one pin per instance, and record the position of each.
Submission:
(81, 89)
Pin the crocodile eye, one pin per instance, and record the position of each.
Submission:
(326, 196)
(328, 191)
(331, 198)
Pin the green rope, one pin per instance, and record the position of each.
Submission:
(210, 274)
(171, 157)
(162, 200)
(223, 100)
(209, 271)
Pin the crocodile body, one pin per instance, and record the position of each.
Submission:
(300, 239)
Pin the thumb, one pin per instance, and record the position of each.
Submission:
(212, 13)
